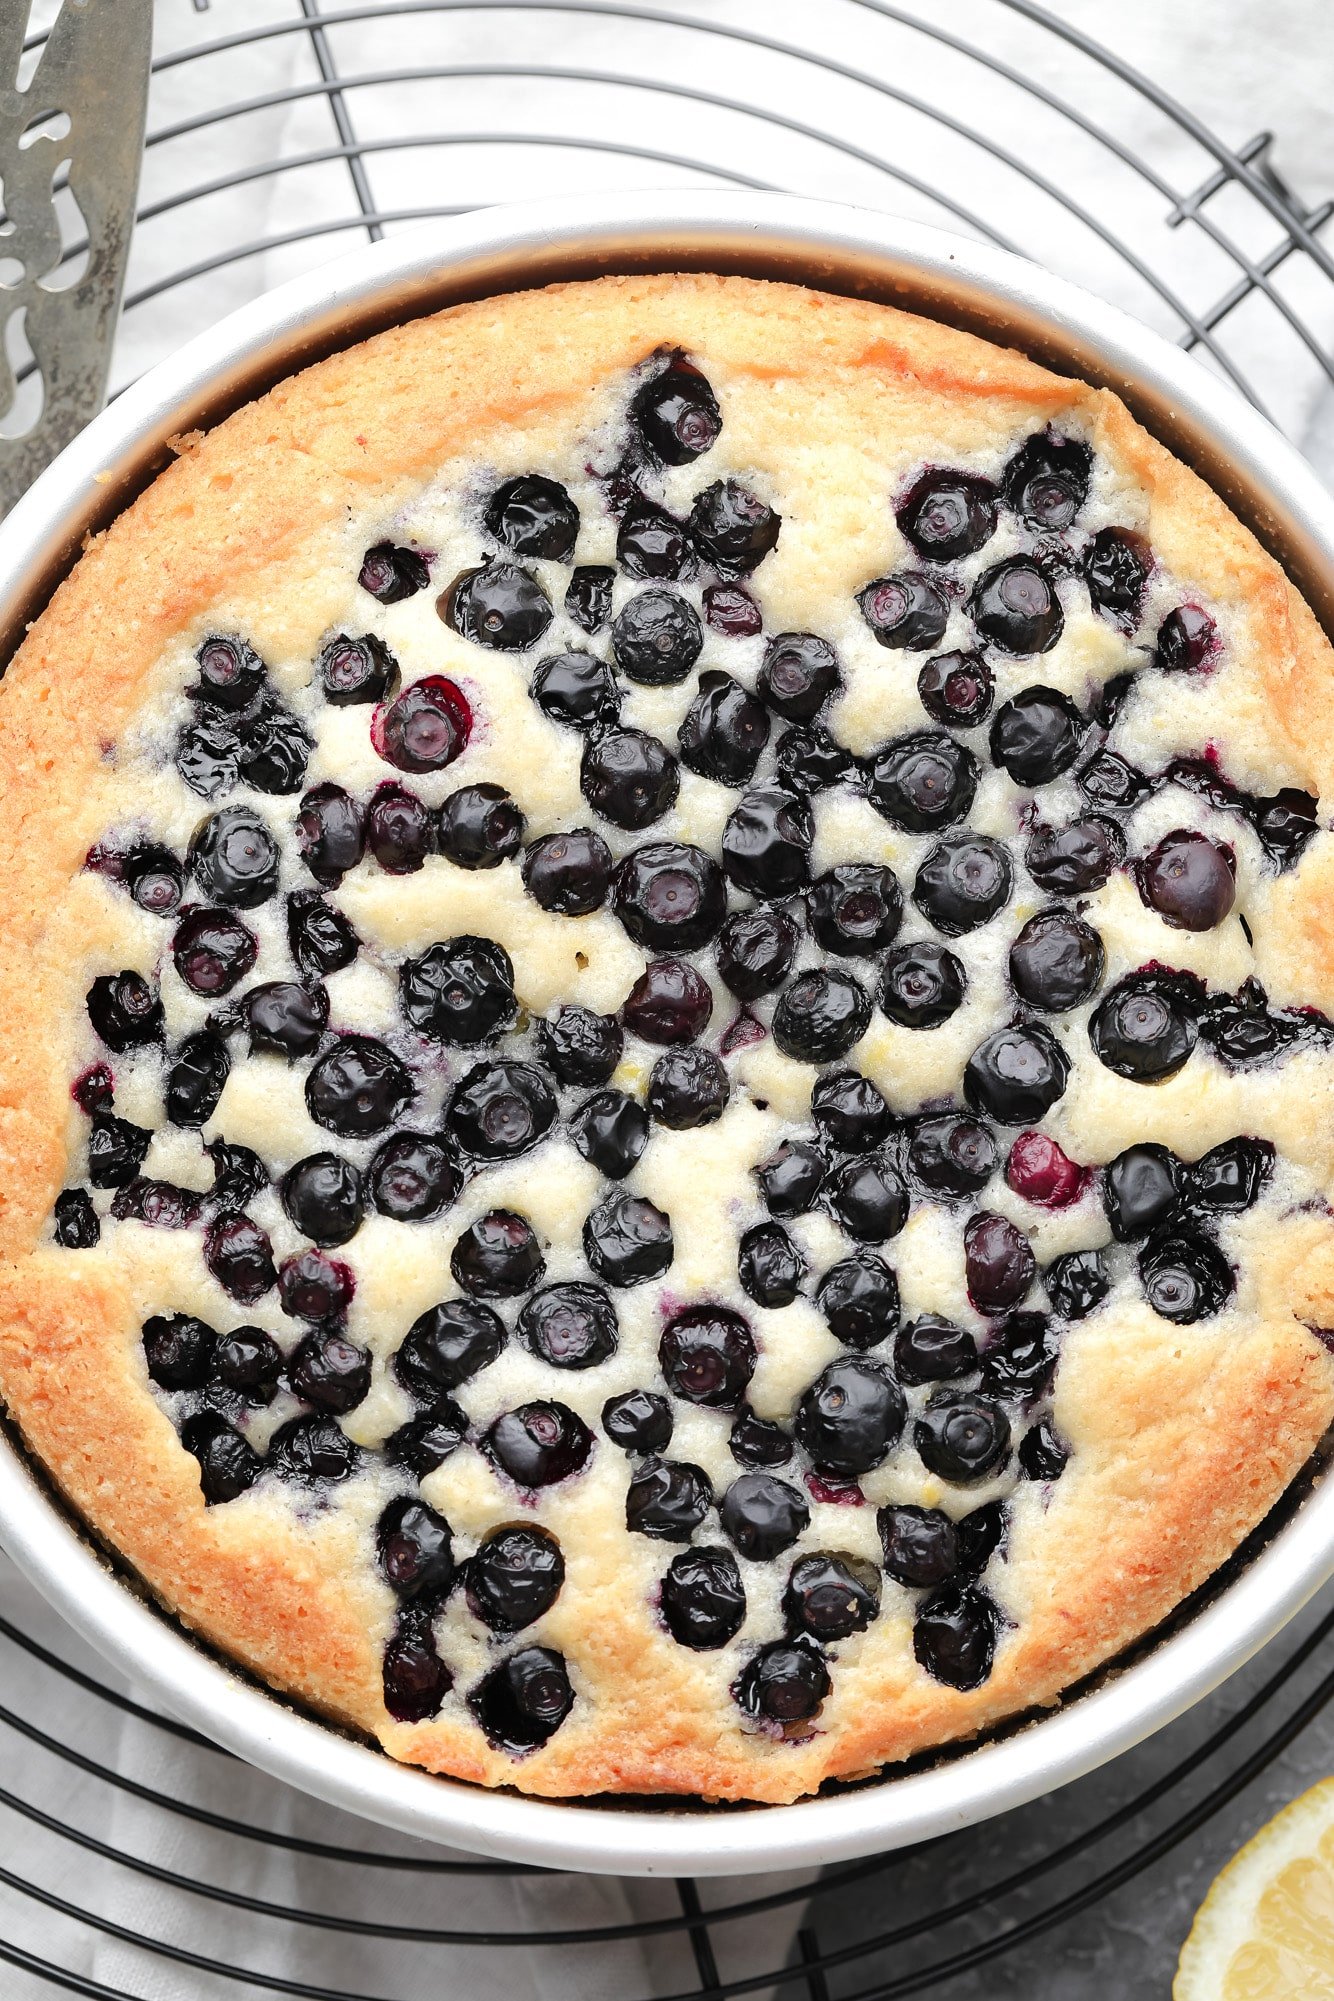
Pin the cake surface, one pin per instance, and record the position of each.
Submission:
(665, 1076)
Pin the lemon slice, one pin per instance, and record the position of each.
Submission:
(1265, 1932)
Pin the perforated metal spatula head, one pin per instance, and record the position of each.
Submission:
(83, 111)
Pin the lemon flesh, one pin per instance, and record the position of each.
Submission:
(1265, 1932)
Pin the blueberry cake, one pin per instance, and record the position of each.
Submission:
(665, 1044)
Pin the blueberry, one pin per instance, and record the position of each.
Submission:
(677, 414)
(497, 1257)
(249, 1361)
(656, 639)
(792, 1178)
(652, 543)
(1071, 860)
(957, 689)
(588, 596)
(732, 527)
(1046, 482)
(755, 1441)
(687, 1089)
(920, 1545)
(952, 1155)
(1230, 1176)
(755, 951)
(568, 874)
(849, 1112)
(234, 858)
(667, 1499)
(707, 1356)
(357, 1087)
(999, 1265)
(195, 1081)
(800, 673)
(962, 1436)
(330, 834)
(313, 1287)
(414, 1679)
(321, 938)
(809, 760)
(323, 1198)
(231, 674)
(831, 1597)
(785, 1682)
(460, 993)
(330, 1370)
(629, 778)
(571, 1326)
(963, 882)
(208, 757)
(1108, 781)
(228, 1465)
(867, 1198)
(480, 826)
(391, 574)
(921, 985)
(239, 1256)
(415, 1551)
(125, 1010)
(855, 909)
(534, 516)
(1189, 880)
(274, 751)
(238, 1175)
(514, 1577)
(538, 1444)
(1116, 569)
(424, 1443)
(932, 1349)
(1140, 1030)
(723, 731)
(284, 1018)
(353, 671)
(767, 840)
(1017, 1074)
(1042, 1173)
(1016, 608)
(577, 691)
(311, 1451)
(1057, 961)
(212, 950)
(178, 1350)
(524, 1701)
(500, 605)
(922, 782)
(851, 1416)
(703, 1600)
(446, 1345)
(77, 1225)
(670, 896)
(732, 611)
(1185, 1276)
(821, 1015)
(159, 1204)
(1284, 823)
(155, 879)
(954, 1636)
(638, 1421)
(1036, 736)
(762, 1516)
(1140, 1190)
(1021, 1360)
(769, 1266)
(581, 1047)
(610, 1130)
(859, 1298)
(946, 515)
(627, 1240)
(425, 729)
(1043, 1454)
(906, 610)
(1186, 641)
(670, 1002)
(1076, 1283)
(94, 1090)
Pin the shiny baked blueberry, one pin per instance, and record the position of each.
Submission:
(731, 610)
(208, 756)
(77, 1224)
(799, 674)
(755, 951)
(1042, 1173)
(920, 1545)
(1230, 1176)
(999, 1265)
(667, 1499)
(500, 605)
(851, 1416)
(859, 1298)
(831, 1597)
(769, 1265)
(274, 751)
(238, 1175)
(534, 516)
(415, 1680)
(313, 1287)
(1142, 1030)
(922, 984)
(330, 834)
(732, 527)
(577, 691)
(849, 1112)
(1284, 823)
(922, 782)
(352, 671)
(323, 1198)
(957, 689)
(155, 879)
(723, 731)
(514, 1577)
(415, 1551)
(931, 1349)
(460, 993)
(1047, 480)
(981, 1533)
(962, 1436)
(538, 1444)
(1140, 1189)
(1116, 569)
(1074, 859)
(791, 1178)
(357, 1087)
(688, 1088)
(952, 1155)
(239, 1255)
(498, 1256)
(159, 1204)
(1019, 1362)
(425, 1442)
(321, 938)
(446, 1345)
(1185, 1276)
(670, 1002)
(1107, 781)
(178, 1350)
(611, 1131)
(425, 729)
(866, 1198)
(524, 1701)
(312, 1451)
(1043, 1455)
(571, 1326)
(762, 1516)
(1189, 880)
(963, 882)
(231, 673)
(330, 1370)
(581, 1047)
(94, 1089)
(707, 1356)
(1016, 608)
(905, 611)
(234, 858)
(1186, 641)
(228, 1465)
(855, 909)
(676, 414)
(784, 1682)
(390, 573)
(629, 778)
(1036, 735)
(285, 1018)
(702, 1599)
(670, 896)
(125, 1010)
(650, 542)
(821, 1015)
(946, 515)
(588, 596)
(656, 639)
(1076, 1283)
(1017, 1074)
(767, 840)
(568, 874)
(628, 1240)
(638, 1421)
(757, 1441)
(809, 760)
(479, 826)
(1057, 961)
(954, 1636)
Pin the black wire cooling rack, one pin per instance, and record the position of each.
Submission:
(280, 132)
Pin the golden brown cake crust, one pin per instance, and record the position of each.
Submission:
(1181, 1443)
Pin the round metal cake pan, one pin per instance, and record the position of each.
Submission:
(505, 250)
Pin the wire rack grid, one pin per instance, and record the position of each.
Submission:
(280, 132)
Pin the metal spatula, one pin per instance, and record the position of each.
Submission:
(83, 110)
